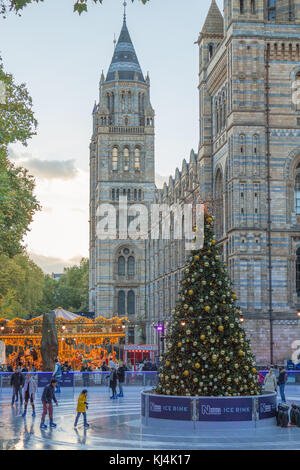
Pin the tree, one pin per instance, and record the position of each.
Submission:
(17, 121)
(17, 6)
(70, 291)
(17, 201)
(21, 287)
(208, 353)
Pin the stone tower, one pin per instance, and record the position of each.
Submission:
(121, 167)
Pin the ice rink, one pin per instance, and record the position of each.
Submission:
(116, 425)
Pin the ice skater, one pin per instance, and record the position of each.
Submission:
(121, 379)
(29, 391)
(17, 381)
(82, 406)
(113, 383)
(57, 374)
(47, 398)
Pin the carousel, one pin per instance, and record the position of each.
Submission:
(80, 339)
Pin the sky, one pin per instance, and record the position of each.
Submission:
(60, 56)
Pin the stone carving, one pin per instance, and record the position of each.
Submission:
(49, 345)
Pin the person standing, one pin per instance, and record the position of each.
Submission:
(113, 383)
(82, 406)
(57, 374)
(270, 382)
(282, 380)
(121, 379)
(47, 398)
(17, 381)
(29, 391)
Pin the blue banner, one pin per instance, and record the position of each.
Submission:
(225, 409)
(67, 380)
(267, 407)
(170, 408)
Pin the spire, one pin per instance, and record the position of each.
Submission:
(214, 23)
(124, 59)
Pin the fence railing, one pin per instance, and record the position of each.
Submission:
(98, 378)
(86, 379)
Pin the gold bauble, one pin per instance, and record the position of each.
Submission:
(207, 308)
(168, 363)
(221, 328)
(202, 337)
(191, 292)
(196, 257)
(186, 373)
(179, 345)
(197, 365)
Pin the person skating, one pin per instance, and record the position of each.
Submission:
(270, 382)
(113, 383)
(82, 406)
(29, 391)
(121, 379)
(57, 374)
(17, 381)
(47, 398)
(282, 380)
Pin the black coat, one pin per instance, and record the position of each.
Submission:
(48, 394)
(17, 380)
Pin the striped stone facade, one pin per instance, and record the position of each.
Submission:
(247, 166)
(247, 163)
(121, 167)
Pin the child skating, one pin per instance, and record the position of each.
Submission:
(82, 406)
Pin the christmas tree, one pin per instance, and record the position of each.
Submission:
(208, 353)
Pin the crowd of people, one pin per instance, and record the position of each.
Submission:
(24, 386)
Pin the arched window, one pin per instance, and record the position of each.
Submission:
(131, 266)
(253, 7)
(210, 51)
(126, 159)
(113, 194)
(121, 266)
(115, 158)
(121, 302)
(137, 159)
(108, 101)
(135, 195)
(129, 101)
(243, 144)
(242, 7)
(219, 204)
(298, 272)
(131, 302)
(140, 194)
(128, 195)
(297, 194)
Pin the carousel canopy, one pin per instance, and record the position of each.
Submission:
(64, 315)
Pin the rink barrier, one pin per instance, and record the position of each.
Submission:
(98, 378)
(216, 413)
(86, 379)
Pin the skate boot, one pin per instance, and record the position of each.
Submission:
(52, 425)
(43, 425)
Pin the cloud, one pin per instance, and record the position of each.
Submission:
(44, 169)
(51, 169)
(51, 264)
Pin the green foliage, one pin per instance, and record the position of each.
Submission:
(21, 286)
(17, 201)
(17, 122)
(70, 291)
(17, 205)
(17, 6)
(208, 353)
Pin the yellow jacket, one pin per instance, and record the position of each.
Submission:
(81, 406)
